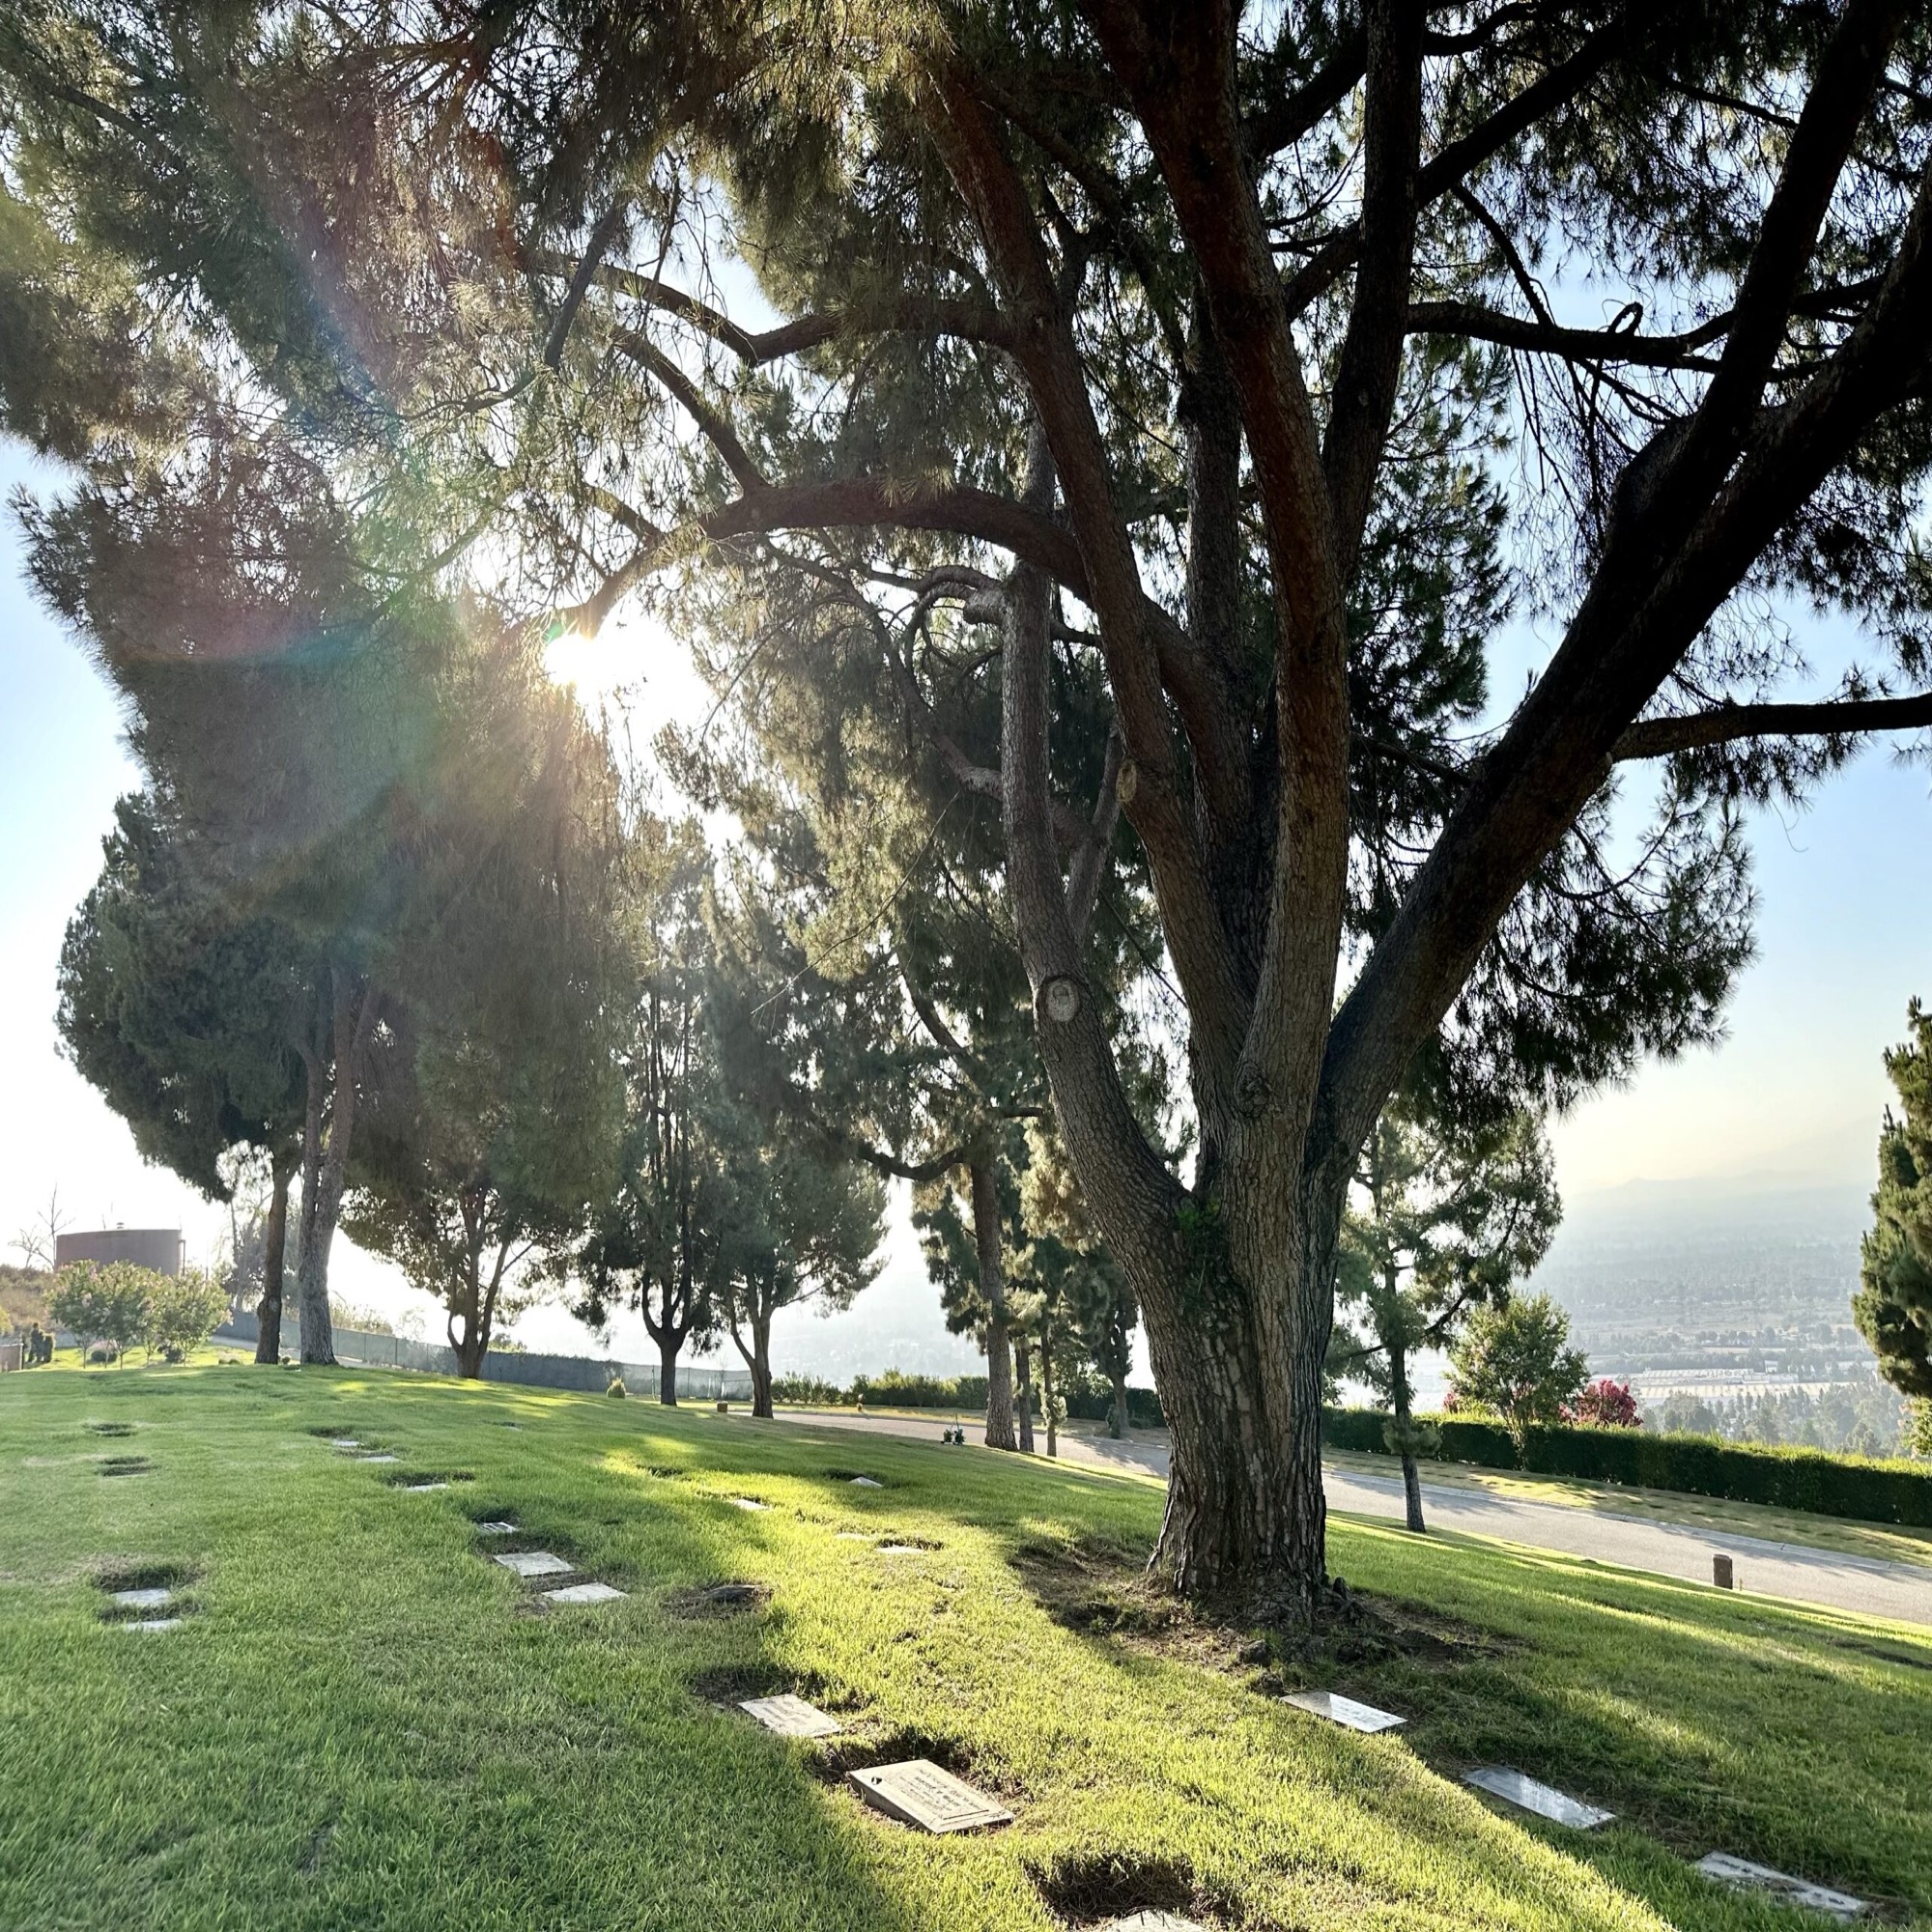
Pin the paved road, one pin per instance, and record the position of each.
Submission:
(1867, 1585)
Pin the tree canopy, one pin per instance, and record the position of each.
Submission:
(1894, 1305)
(1190, 393)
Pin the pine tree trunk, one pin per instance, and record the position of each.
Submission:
(761, 1367)
(1237, 1335)
(1235, 1285)
(1023, 1391)
(275, 1240)
(1046, 1395)
(993, 1288)
(667, 1347)
(326, 1163)
(470, 1349)
(1401, 1401)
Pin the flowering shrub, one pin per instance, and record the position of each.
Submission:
(1606, 1404)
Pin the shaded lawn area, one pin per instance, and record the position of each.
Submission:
(1892, 1542)
(366, 1723)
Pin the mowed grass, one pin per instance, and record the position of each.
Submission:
(366, 1723)
(1889, 1542)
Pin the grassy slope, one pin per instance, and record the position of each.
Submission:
(365, 1726)
(1888, 1540)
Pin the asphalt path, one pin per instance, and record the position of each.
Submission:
(1868, 1586)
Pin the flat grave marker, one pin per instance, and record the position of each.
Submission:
(750, 1503)
(901, 1549)
(534, 1563)
(585, 1593)
(1742, 1876)
(1514, 1788)
(866, 1482)
(496, 1529)
(917, 1792)
(1345, 1711)
(791, 1717)
(422, 1489)
(154, 1624)
(141, 1600)
(379, 1457)
(345, 1442)
(1151, 1922)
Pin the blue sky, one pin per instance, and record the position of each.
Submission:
(1845, 939)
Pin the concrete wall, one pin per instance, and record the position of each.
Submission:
(565, 1372)
(156, 1248)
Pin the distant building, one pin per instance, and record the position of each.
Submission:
(162, 1249)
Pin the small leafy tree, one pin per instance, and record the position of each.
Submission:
(104, 1302)
(1447, 1214)
(182, 1310)
(1606, 1405)
(1894, 1305)
(1515, 1361)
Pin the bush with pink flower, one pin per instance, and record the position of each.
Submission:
(1607, 1405)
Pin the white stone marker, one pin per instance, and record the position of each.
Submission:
(345, 1442)
(866, 1482)
(1340, 1710)
(750, 1503)
(791, 1717)
(901, 1549)
(918, 1793)
(1514, 1788)
(141, 1600)
(534, 1563)
(384, 1458)
(1151, 1922)
(1743, 1876)
(422, 1489)
(496, 1530)
(154, 1624)
(585, 1593)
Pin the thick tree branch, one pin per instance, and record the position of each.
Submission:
(1281, 123)
(903, 314)
(1621, 645)
(1178, 62)
(716, 430)
(1057, 382)
(1600, 346)
(1461, 157)
(1089, 862)
(602, 237)
(1369, 371)
(1829, 718)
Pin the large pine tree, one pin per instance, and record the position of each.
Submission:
(1229, 361)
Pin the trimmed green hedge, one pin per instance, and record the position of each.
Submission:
(1091, 1399)
(1861, 1488)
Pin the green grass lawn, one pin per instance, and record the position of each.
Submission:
(1888, 1540)
(364, 1724)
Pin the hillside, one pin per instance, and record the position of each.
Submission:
(360, 1719)
(23, 1296)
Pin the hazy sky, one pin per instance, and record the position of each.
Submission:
(1844, 928)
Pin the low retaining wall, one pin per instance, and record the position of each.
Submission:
(565, 1372)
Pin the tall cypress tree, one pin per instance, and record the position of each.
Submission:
(1894, 1305)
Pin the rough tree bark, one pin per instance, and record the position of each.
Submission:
(758, 1355)
(477, 1314)
(329, 1129)
(999, 1433)
(275, 1243)
(1402, 1402)
(1023, 1391)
